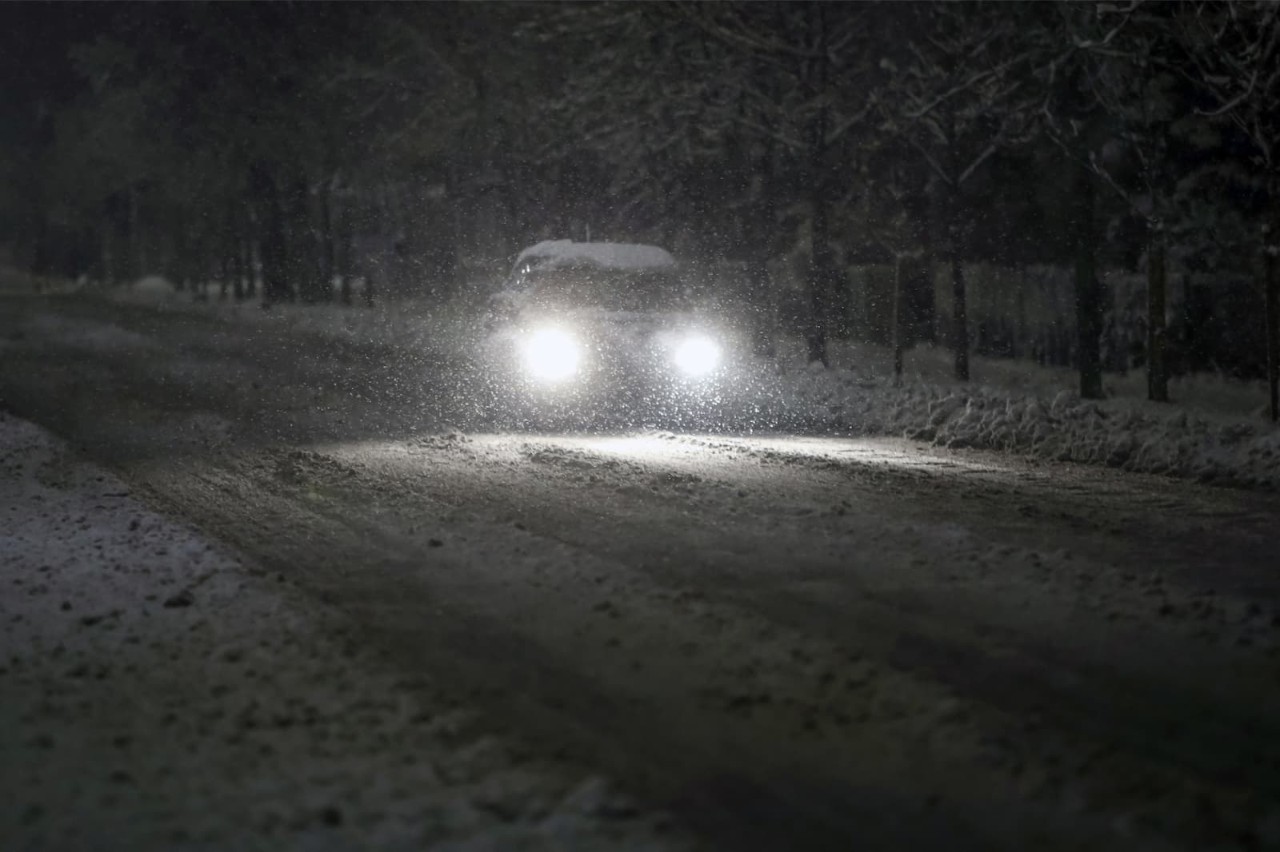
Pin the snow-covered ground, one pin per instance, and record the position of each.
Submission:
(14, 280)
(1215, 430)
(159, 694)
(400, 323)
(1042, 421)
(867, 638)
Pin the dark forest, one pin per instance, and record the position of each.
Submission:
(418, 144)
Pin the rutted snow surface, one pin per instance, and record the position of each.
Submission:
(158, 694)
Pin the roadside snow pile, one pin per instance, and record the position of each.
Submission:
(411, 325)
(91, 335)
(1063, 427)
(152, 287)
(13, 280)
(407, 325)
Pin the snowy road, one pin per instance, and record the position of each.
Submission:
(788, 642)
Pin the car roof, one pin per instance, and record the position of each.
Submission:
(551, 254)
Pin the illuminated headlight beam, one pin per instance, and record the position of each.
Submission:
(551, 354)
(697, 356)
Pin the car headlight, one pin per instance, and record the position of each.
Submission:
(697, 356)
(551, 354)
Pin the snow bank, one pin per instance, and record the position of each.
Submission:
(411, 326)
(1062, 427)
(13, 280)
(152, 287)
(87, 334)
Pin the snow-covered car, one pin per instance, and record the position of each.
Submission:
(584, 330)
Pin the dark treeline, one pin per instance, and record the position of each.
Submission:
(286, 150)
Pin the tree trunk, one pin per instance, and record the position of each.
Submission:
(275, 270)
(820, 266)
(346, 229)
(236, 270)
(303, 246)
(328, 247)
(929, 287)
(1273, 321)
(960, 317)
(1020, 346)
(819, 278)
(1089, 306)
(176, 256)
(1157, 376)
(760, 302)
(273, 246)
(137, 262)
(896, 330)
(247, 258)
(107, 257)
(959, 294)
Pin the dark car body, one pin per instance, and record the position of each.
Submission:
(635, 330)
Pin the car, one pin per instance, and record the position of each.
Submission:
(601, 333)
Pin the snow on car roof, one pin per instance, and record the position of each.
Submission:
(553, 253)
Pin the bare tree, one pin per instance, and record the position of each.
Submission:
(1125, 62)
(1072, 117)
(1234, 48)
(959, 96)
(808, 86)
(893, 200)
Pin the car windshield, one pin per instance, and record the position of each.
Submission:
(610, 289)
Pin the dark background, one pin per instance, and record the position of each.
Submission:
(801, 156)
